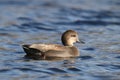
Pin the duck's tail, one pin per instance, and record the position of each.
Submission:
(26, 48)
(32, 52)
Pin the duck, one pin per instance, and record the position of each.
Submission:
(44, 51)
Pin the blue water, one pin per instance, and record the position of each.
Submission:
(43, 21)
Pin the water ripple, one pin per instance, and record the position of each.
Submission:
(57, 70)
(74, 69)
(88, 22)
(43, 21)
(86, 57)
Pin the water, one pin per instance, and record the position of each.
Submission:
(43, 21)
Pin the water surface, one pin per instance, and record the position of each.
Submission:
(43, 21)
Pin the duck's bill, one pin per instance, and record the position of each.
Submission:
(80, 41)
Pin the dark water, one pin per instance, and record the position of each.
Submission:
(43, 21)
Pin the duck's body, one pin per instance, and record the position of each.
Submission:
(43, 51)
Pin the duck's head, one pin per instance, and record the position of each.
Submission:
(70, 37)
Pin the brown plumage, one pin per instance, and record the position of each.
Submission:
(43, 51)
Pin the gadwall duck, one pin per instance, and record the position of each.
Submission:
(43, 51)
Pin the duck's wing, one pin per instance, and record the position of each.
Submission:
(45, 47)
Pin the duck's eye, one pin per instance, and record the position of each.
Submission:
(73, 35)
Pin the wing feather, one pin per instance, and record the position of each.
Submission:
(46, 47)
